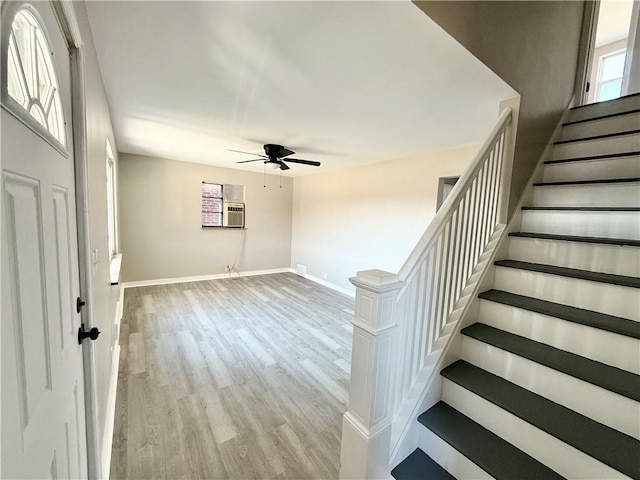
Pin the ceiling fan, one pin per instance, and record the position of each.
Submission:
(274, 157)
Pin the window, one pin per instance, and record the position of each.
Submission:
(111, 202)
(211, 204)
(222, 205)
(610, 76)
(31, 77)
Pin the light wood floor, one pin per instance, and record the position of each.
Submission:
(237, 378)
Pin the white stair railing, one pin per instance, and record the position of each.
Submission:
(402, 321)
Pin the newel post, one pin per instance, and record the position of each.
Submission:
(366, 427)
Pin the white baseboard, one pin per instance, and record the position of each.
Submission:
(107, 438)
(330, 285)
(199, 278)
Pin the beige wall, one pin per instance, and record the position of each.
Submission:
(369, 216)
(533, 46)
(103, 296)
(160, 224)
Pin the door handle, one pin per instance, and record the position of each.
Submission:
(82, 334)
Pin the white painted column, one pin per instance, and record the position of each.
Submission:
(366, 428)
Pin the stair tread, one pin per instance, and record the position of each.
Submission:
(612, 101)
(494, 455)
(611, 447)
(419, 465)
(594, 157)
(585, 209)
(602, 117)
(610, 378)
(587, 182)
(610, 323)
(597, 137)
(621, 280)
(575, 238)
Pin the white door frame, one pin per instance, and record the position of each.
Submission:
(71, 30)
(585, 53)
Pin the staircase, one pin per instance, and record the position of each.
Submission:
(547, 384)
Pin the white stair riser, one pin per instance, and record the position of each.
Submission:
(600, 146)
(620, 105)
(600, 169)
(588, 195)
(449, 458)
(586, 224)
(557, 455)
(603, 126)
(600, 345)
(599, 297)
(599, 404)
(583, 256)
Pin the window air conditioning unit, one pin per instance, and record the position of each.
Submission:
(233, 215)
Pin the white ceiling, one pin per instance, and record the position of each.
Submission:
(614, 18)
(343, 83)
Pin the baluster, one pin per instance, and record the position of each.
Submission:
(424, 333)
(437, 250)
(473, 219)
(482, 193)
(500, 164)
(492, 186)
(445, 278)
(452, 268)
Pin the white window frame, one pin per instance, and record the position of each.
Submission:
(599, 81)
(112, 201)
(11, 105)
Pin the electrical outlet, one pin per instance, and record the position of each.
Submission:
(227, 268)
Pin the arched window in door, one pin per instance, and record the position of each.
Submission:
(31, 77)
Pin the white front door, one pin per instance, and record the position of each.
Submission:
(43, 421)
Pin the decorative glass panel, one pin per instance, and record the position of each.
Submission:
(31, 77)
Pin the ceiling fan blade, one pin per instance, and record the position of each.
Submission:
(254, 160)
(284, 152)
(284, 166)
(247, 153)
(303, 162)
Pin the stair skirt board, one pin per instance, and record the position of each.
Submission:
(595, 169)
(547, 449)
(617, 260)
(587, 195)
(621, 413)
(599, 146)
(622, 351)
(598, 297)
(601, 126)
(583, 223)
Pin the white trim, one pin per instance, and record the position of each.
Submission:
(107, 437)
(200, 278)
(324, 283)
(366, 433)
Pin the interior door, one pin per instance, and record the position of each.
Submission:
(43, 421)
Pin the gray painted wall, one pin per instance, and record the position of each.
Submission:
(160, 224)
(103, 296)
(533, 46)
